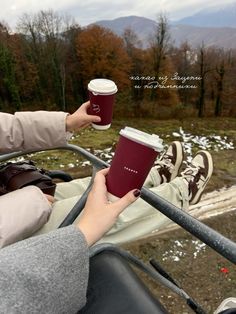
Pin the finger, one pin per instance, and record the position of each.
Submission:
(85, 105)
(50, 198)
(100, 176)
(89, 118)
(126, 200)
(99, 185)
(92, 118)
(104, 171)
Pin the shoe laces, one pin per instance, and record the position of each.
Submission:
(192, 173)
(165, 161)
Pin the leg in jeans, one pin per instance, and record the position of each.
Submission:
(137, 220)
(141, 219)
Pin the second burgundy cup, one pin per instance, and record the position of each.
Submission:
(134, 156)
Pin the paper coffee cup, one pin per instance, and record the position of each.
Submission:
(102, 97)
(134, 156)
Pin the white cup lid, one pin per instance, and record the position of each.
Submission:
(151, 140)
(102, 86)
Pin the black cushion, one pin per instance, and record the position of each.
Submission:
(114, 288)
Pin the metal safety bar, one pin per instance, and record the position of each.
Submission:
(212, 238)
(98, 163)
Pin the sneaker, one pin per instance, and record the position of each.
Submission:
(197, 174)
(227, 304)
(170, 162)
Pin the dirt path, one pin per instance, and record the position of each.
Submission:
(215, 203)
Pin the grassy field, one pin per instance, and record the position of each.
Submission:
(97, 141)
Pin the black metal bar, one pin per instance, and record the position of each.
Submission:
(215, 240)
(59, 174)
(98, 163)
(190, 301)
(78, 207)
(162, 271)
(76, 210)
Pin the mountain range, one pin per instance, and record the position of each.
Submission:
(219, 16)
(214, 26)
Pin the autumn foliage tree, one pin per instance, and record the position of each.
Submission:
(184, 59)
(46, 48)
(136, 54)
(204, 68)
(102, 54)
(223, 66)
(161, 67)
(74, 89)
(8, 86)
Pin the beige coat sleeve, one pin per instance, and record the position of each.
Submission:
(22, 212)
(32, 130)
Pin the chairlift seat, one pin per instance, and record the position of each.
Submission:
(115, 288)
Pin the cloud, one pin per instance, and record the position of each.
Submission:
(89, 11)
(94, 10)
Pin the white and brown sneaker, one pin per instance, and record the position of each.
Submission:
(169, 163)
(197, 174)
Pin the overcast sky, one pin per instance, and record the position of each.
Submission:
(88, 11)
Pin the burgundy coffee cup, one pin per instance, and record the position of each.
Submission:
(102, 97)
(134, 156)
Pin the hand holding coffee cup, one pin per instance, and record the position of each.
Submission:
(102, 97)
(134, 156)
(80, 118)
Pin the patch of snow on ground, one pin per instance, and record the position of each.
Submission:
(205, 142)
(177, 250)
(105, 154)
(198, 247)
(190, 142)
(85, 163)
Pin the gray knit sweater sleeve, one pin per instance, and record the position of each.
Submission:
(45, 274)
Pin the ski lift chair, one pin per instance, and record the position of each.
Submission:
(114, 287)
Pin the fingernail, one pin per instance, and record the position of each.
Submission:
(137, 193)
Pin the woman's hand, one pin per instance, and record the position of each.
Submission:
(99, 215)
(50, 198)
(80, 119)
